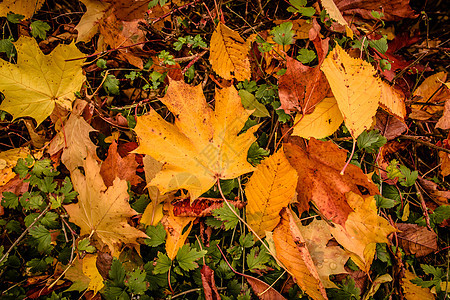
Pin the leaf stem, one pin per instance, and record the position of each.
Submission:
(350, 158)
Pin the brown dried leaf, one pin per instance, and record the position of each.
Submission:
(318, 168)
(209, 285)
(444, 121)
(393, 10)
(263, 290)
(415, 239)
(115, 166)
(389, 126)
(201, 207)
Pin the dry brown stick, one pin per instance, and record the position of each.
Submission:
(414, 139)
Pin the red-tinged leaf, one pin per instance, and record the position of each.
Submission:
(201, 207)
(417, 240)
(393, 10)
(209, 285)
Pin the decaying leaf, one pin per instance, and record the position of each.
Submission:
(263, 290)
(320, 181)
(38, 82)
(417, 240)
(201, 207)
(271, 187)
(84, 274)
(229, 54)
(355, 87)
(444, 121)
(88, 25)
(362, 230)
(174, 227)
(292, 252)
(322, 122)
(392, 101)
(75, 142)
(203, 145)
(445, 163)
(209, 285)
(102, 212)
(115, 166)
(389, 126)
(393, 10)
(302, 87)
(336, 14)
(328, 260)
(26, 8)
(428, 92)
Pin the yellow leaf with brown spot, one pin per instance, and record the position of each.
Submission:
(203, 145)
(91, 271)
(102, 212)
(322, 122)
(355, 87)
(229, 54)
(271, 187)
(414, 292)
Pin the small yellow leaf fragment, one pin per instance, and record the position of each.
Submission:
(392, 101)
(412, 291)
(229, 54)
(270, 188)
(38, 82)
(355, 87)
(8, 160)
(335, 14)
(88, 25)
(26, 8)
(91, 271)
(322, 122)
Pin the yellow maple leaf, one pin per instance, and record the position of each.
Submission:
(229, 54)
(88, 25)
(102, 212)
(270, 188)
(322, 122)
(292, 252)
(202, 145)
(26, 8)
(355, 87)
(38, 82)
(363, 229)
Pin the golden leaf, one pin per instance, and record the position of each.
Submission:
(38, 82)
(392, 101)
(26, 8)
(322, 122)
(229, 54)
(294, 255)
(203, 145)
(8, 160)
(412, 291)
(88, 25)
(91, 271)
(335, 14)
(100, 211)
(363, 229)
(355, 87)
(270, 188)
(429, 92)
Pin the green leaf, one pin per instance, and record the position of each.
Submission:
(225, 214)
(409, 177)
(10, 200)
(50, 220)
(306, 56)
(256, 260)
(255, 154)
(67, 191)
(376, 14)
(371, 141)
(39, 29)
(383, 202)
(111, 85)
(101, 63)
(7, 47)
(48, 185)
(282, 116)
(153, 3)
(283, 34)
(117, 273)
(157, 235)
(298, 7)
(348, 290)
(136, 282)
(246, 241)
(43, 167)
(39, 265)
(84, 245)
(163, 264)
(14, 18)
(380, 45)
(21, 168)
(187, 257)
(42, 236)
(385, 64)
(13, 226)
(249, 102)
(141, 203)
(440, 214)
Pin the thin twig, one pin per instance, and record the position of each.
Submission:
(414, 139)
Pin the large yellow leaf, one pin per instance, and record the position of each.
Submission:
(355, 87)
(270, 188)
(203, 145)
(26, 8)
(100, 211)
(229, 54)
(294, 255)
(38, 82)
(322, 122)
(363, 229)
